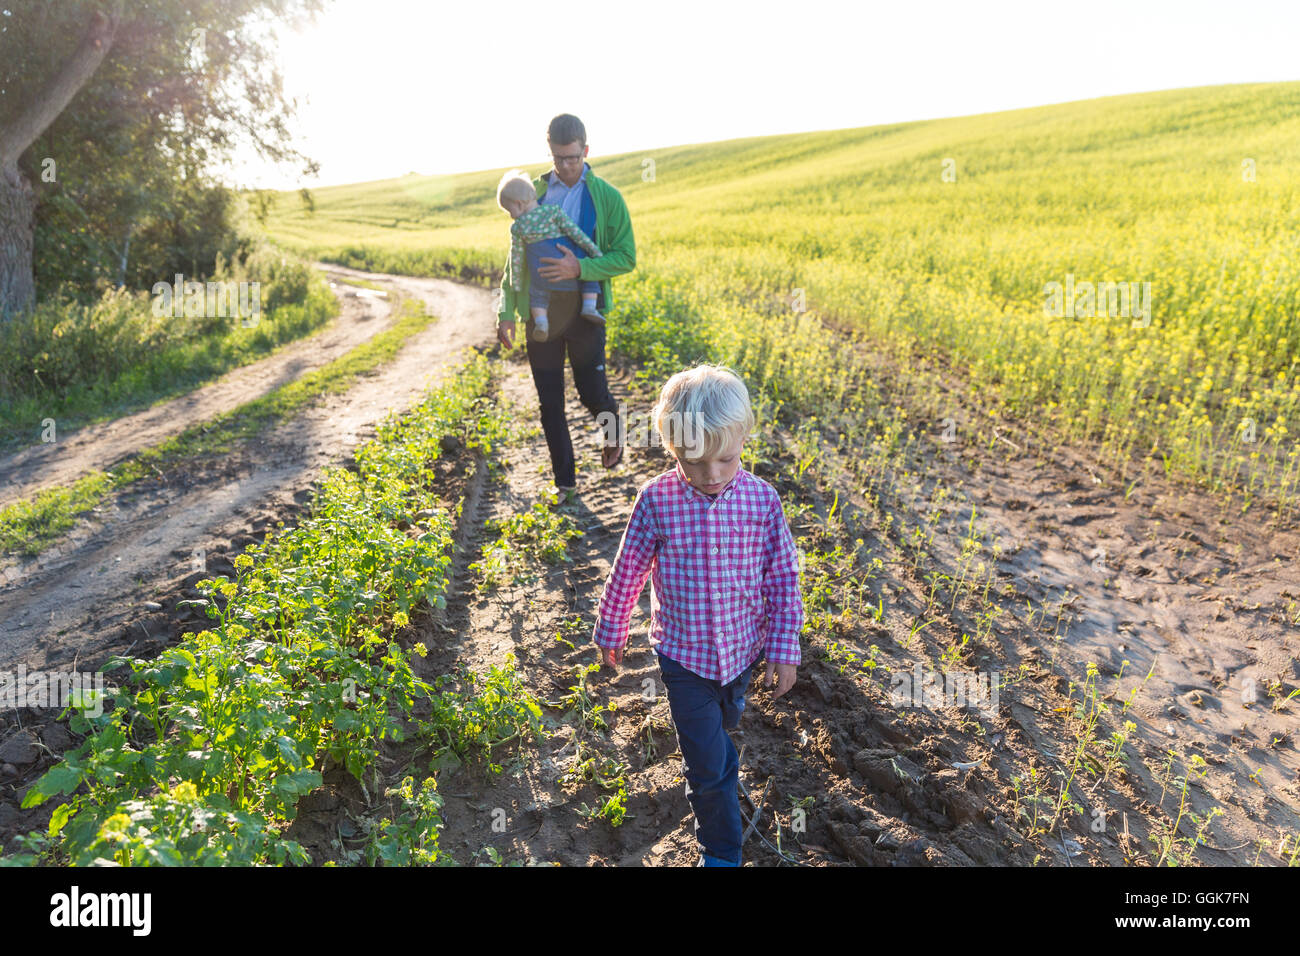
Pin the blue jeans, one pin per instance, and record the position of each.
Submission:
(703, 710)
(539, 287)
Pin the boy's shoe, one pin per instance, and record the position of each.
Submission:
(593, 316)
(565, 496)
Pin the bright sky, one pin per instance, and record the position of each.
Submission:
(392, 87)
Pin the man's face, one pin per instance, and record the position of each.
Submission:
(568, 161)
(710, 473)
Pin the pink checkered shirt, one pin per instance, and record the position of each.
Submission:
(724, 576)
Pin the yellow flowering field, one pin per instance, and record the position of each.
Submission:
(1120, 270)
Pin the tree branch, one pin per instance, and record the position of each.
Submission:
(58, 92)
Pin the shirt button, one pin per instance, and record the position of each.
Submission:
(715, 550)
(717, 595)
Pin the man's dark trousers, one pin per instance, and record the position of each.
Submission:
(585, 342)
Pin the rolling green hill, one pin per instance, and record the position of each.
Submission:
(941, 238)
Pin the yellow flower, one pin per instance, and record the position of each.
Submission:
(185, 792)
(116, 827)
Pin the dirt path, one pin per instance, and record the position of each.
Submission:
(1163, 579)
(88, 594)
(27, 471)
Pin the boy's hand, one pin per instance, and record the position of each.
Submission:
(785, 674)
(613, 656)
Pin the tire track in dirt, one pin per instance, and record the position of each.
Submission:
(83, 599)
(541, 822)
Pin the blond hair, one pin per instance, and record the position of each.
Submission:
(700, 410)
(515, 186)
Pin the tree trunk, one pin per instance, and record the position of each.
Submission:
(126, 251)
(17, 229)
(17, 201)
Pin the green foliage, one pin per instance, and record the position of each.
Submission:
(578, 703)
(611, 807)
(473, 721)
(540, 534)
(410, 838)
(589, 767)
(75, 362)
(465, 265)
(30, 525)
(27, 526)
(233, 722)
(129, 199)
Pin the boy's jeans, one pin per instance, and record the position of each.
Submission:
(703, 710)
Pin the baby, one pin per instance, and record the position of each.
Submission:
(536, 232)
(724, 594)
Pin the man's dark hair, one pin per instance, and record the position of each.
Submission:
(566, 128)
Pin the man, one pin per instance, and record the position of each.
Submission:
(598, 208)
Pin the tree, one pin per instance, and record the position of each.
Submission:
(113, 113)
(17, 198)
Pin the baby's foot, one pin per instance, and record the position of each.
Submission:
(541, 330)
(591, 315)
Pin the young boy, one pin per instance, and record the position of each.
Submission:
(536, 232)
(724, 594)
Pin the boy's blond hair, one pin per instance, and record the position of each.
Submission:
(700, 410)
(515, 186)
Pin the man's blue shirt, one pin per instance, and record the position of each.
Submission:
(568, 198)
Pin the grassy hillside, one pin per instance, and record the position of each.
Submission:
(1196, 192)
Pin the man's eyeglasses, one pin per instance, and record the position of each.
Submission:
(567, 159)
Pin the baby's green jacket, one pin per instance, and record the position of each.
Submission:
(613, 234)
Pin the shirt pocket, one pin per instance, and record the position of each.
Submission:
(682, 598)
(742, 559)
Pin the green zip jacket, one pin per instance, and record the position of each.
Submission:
(613, 234)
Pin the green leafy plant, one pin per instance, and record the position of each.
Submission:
(475, 721)
(539, 535)
(207, 749)
(411, 836)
